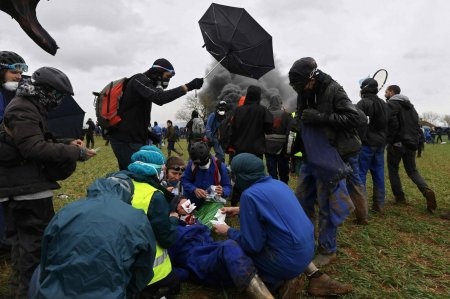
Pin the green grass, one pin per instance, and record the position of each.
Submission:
(404, 253)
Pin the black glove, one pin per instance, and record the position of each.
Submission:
(195, 84)
(312, 116)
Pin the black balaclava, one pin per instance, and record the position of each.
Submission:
(155, 73)
(45, 96)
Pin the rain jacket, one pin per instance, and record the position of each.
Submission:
(377, 112)
(276, 141)
(250, 124)
(274, 230)
(203, 179)
(212, 125)
(136, 107)
(97, 247)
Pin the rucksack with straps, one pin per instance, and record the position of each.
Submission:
(107, 103)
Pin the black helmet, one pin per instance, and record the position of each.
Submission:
(53, 78)
(7, 57)
(199, 153)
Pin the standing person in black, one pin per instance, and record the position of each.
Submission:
(250, 124)
(90, 133)
(403, 142)
(140, 92)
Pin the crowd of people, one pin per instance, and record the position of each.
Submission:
(143, 230)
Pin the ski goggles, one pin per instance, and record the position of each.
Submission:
(21, 67)
(172, 72)
(177, 168)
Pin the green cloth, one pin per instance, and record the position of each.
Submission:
(207, 212)
(247, 168)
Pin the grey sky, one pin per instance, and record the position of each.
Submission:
(104, 40)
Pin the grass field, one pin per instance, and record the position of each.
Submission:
(404, 253)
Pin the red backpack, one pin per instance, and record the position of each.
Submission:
(107, 103)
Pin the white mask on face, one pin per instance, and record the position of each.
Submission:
(11, 85)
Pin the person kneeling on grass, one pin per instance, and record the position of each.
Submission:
(205, 182)
(275, 232)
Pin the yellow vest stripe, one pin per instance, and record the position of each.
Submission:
(142, 197)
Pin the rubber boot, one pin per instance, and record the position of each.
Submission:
(257, 289)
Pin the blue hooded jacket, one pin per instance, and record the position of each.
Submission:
(97, 247)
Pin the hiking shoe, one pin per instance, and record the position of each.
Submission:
(324, 259)
(400, 200)
(323, 285)
(361, 221)
(446, 215)
(290, 288)
(431, 199)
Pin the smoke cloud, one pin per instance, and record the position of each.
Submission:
(221, 85)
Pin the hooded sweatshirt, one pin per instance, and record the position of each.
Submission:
(97, 247)
(403, 120)
(277, 140)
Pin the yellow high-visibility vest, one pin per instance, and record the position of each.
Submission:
(298, 154)
(142, 197)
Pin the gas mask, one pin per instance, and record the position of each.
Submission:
(162, 83)
(11, 85)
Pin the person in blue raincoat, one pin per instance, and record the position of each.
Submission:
(97, 247)
(275, 231)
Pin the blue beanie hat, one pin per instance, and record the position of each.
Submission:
(147, 161)
(247, 168)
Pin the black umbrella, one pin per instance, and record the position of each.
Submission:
(237, 41)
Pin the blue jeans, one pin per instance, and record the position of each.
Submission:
(278, 167)
(357, 189)
(333, 201)
(372, 158)
(123, 152)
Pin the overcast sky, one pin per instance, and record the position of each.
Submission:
(104, 40)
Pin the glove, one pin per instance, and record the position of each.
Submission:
(197, 83)
(312, 116)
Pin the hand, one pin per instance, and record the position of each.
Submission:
(86, 154)
(200, 193)
(174, 214)
(221, 229)
(312, 116)
(230, 211)
(77, 142)
(219, 190)
(197, 83)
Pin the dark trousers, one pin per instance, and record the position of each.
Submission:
(167, 287)
(90, 140)
(123, 152)
(278, 167)
(26, 221)
(394, 156)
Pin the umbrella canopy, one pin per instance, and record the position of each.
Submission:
(237, 41)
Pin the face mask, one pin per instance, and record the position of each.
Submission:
(162, 83)
(172, 184)
(11, 85)
(206, 166)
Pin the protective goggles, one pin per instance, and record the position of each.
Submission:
(21, 67)
(177, 168)
(172, 72)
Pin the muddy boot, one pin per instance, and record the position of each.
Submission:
(290, 288)
(324, 259)
(446, 215)
(431, 199)
(257, 289)
(320, 284)
(361, 221)
(400, 200)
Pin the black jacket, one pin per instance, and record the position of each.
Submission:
(276, 142)
(250, 124)
(26, 137)
(136, 106)
(400, 129)
(342, 116)
(376, 110)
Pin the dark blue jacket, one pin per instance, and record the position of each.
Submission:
(274, 229)
(97, 247)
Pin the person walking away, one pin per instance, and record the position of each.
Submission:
(324, 105)
(158, 132)
(12, 65)
(32, 162)
(280, 240)
(90, 133)
(371, 156)
(212, 129)
(277, 159)
(403, 141)
(140, 92)
(171, 139)
(76, 236)
(439, 135)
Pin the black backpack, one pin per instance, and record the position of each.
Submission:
(224, 131)
(409, 128)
